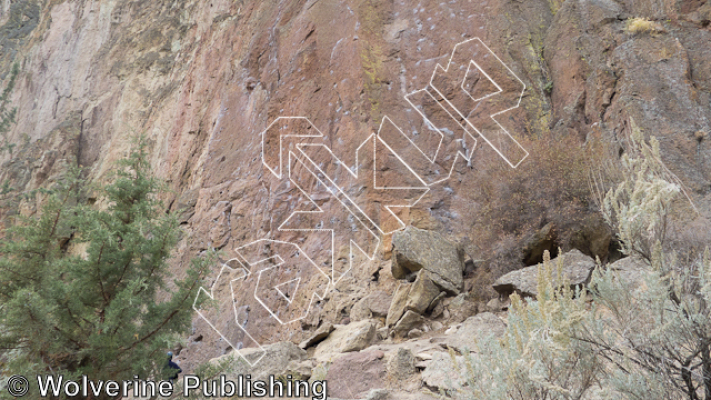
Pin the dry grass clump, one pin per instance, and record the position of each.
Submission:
(643, 25)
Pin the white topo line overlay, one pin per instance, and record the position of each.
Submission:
(351, 207)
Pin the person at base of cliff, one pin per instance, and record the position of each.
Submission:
(172, 369)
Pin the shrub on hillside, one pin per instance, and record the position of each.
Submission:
(642, 338)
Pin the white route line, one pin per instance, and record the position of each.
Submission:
(339, 193)
(374, 139)
(211, 296)
(439, 67)
(279, 262)
(319, 210)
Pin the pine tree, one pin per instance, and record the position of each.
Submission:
(79, 284)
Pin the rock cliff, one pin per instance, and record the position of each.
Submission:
(205, 81)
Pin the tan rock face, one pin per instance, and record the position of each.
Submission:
(203, 80)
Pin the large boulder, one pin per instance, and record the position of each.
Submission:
(577, 268)
(375, 304)
(352, 337)
(465, 335)
(631, 271)
(415, 249)
(416, 297)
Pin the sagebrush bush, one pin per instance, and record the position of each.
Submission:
(641, 334)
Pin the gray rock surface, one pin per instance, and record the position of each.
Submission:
(464, 336)
(274, 360)
(577, 268)
(442, 373)
(401, 365)
(415, 249)
(376, 304)
(416, 297)
(631, 270)
(352, 337)
(408, 322)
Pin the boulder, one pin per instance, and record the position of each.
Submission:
(397, 307)
(375, 304)
(415, 249)
(442, 373)
(577, 268)
(408, 322)
(631, 271)
(461, 308)
(544, 239)
(465, 335)
(320, 334)
(354, 375)
(352, 337)
(417, 297)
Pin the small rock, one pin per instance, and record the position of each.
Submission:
(436, 325)
(377, 394)
(414, 334)
(401, 365)
(382, 333)
(445, 314)
(408, 322)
